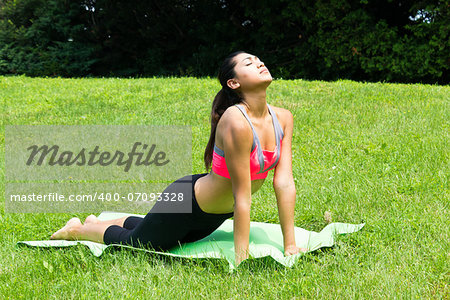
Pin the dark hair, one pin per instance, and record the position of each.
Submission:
(225, 98)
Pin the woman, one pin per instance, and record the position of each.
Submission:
(243, 125)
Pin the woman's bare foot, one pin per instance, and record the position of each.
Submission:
(91, 219)
(67, 232)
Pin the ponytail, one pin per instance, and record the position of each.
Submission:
(225, 98)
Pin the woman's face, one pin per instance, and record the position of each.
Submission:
(251, 73)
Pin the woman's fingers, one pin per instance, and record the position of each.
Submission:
(294, 250)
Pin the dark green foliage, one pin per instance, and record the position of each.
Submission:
(382, 40)
(44, 38)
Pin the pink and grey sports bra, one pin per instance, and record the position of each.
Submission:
(259, 158)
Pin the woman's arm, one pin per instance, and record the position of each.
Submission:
(283, 183)
(236, 136)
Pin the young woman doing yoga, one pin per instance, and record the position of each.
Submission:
(243, 126)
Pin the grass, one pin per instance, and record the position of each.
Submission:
(371, 152)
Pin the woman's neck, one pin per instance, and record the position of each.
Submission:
(256, 103)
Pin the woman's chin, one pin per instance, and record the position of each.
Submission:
(268, 79)
(267, 76)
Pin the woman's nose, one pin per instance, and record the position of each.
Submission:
(261, 64)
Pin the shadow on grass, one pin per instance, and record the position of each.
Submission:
(211, 264)
(81, 255)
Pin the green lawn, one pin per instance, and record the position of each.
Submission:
(370, 152)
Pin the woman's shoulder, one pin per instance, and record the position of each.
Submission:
(233, 126)
(284, 115)
(234, 121)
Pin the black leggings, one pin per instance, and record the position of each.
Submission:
(162, 231)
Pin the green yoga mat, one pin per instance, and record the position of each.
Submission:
(266, 240)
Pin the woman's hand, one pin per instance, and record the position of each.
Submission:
(293, 249)
(239, 257)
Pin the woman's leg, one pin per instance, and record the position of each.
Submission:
(162, 230)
